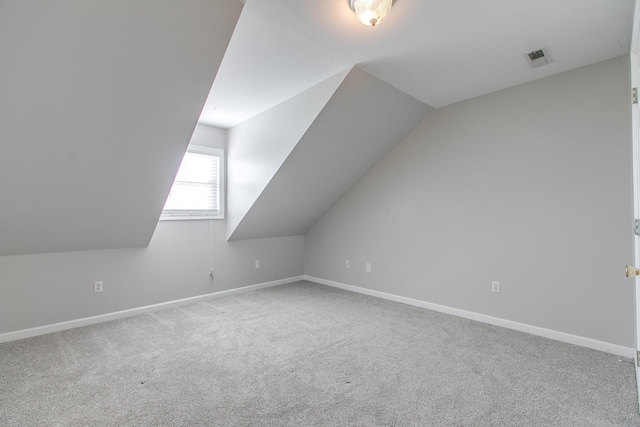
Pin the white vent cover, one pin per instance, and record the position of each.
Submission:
(538, 57)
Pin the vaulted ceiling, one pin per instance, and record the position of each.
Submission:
(98, 100)
(291, 157)
(292, 163)
(437, 51)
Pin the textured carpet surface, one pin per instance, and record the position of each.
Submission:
(308, 355)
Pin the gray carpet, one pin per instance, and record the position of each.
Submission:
(308, 355)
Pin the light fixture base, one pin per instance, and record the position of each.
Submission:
(371, 12)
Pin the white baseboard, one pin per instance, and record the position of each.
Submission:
(57, 327)
(522, 327)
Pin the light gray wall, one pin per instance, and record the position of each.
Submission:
(37, 290)
(530, 186)
(209, 136)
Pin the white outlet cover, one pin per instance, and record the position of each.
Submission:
(495, 286)
(368, 267)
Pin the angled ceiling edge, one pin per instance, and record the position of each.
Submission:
(259, 146)
(99, 101)
(364, 119)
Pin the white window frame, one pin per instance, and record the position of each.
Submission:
(186, 215)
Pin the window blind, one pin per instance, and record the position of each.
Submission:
(195, 191)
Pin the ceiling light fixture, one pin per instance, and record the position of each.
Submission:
(371, 12)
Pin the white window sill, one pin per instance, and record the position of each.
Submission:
(188, 218)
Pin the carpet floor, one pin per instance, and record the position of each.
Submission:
(305, 354)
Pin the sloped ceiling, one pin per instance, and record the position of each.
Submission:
(360, 123)
(98, 100)
(438, 51)
(258, 147)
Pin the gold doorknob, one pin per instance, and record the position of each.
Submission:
(632, 271)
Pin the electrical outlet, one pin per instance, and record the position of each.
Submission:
(346, 264)
(495, 286)
(97, 286)
(367, 267)
(257, 263)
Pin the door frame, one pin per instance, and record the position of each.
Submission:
(635, 155)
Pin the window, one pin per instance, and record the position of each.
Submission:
(198, 190)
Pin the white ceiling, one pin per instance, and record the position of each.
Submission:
(438, 51)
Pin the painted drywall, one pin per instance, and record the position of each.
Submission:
(209, 136)
(98, 101)
(530, 186)
(259, 146)
(361, 122)
(38, 290)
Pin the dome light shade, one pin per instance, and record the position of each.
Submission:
(371, 12)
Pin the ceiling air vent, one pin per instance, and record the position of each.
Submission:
(538, 57)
